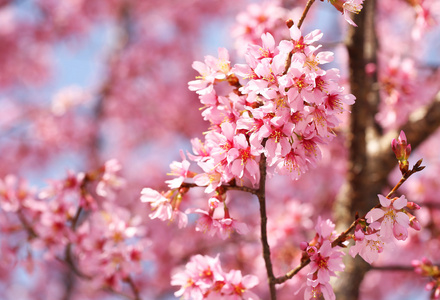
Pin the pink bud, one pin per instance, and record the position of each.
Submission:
(400, 232)
(416, 263)
(426, 261)
(412, 205)
(303, 246)
(430, 285)
(414, 223)
(402, 151)
(213, 202)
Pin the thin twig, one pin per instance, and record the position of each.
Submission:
(304, 14)
(225, 187)
(393, 268)
(292, 272)
(133, 287)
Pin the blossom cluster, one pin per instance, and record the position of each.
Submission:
(386, 223)
(203, 278)
(286, 107)
(278, 107)
(325, 260)
(77, 222)
(426, 268)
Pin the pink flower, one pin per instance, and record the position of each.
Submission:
(110, 181)
(206, 223)
(228, 225)
(211, 179)
(179, 169)
(348, 6)
(267, 50)
(325, 262)
(393, 221)
(351, 6)
(161, 205)
(213, 69)
(12, 193)
(367, 246)
(243, 158)
(325, 229)
(238, 286)
(199, 277)
(203, 278)
(317, 290)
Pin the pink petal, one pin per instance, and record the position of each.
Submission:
(374, 214)
(400, 203)
(402, 219)
(249, 281)
(385, 202)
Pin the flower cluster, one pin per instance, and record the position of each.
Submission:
(286, 107)
(76, 221)
(427, 269)
(109, 246)
(203, 278)
(325, 260)
(386, 223)
(279, 106)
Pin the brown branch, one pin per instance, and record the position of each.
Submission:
(133, 287)
(304, 14)
(292, 273)
(225, 187)
(31, 232)
(261, 194)
(393, 268)
(68, 260)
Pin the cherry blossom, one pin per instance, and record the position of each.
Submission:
(368, 246)
(393, 221)
(203, 278)
(273, 129)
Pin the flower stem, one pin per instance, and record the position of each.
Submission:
(304, 14)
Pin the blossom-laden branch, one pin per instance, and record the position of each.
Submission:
(426, 268)
(273, 122)
(66, 220)
(380, 226)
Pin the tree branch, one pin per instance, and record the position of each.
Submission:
(304, 14)
(261, 194)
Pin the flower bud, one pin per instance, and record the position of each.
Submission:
(303, 246)
(402, 151)
(414, 223)
(213, 202)
(413, 206)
